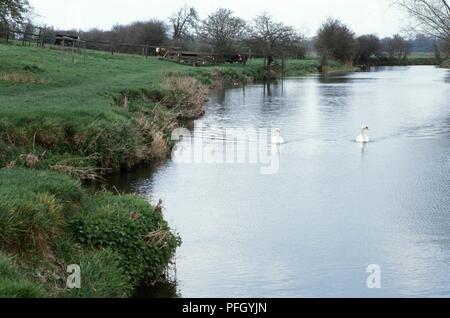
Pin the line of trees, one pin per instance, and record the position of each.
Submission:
(431, 17)
(336, 41)
(223, 31)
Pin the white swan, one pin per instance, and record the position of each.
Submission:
(364, 137)
(277, 139)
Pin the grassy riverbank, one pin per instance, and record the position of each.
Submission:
(62, 123)
(255, 71)
(47, 222)
(419, 59)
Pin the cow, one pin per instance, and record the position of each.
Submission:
(236, 58)
(160, 51)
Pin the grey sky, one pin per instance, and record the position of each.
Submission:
(363, 16)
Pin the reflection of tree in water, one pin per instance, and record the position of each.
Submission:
(333, 98)
(273, 88)
(220, 94)
(268, 89)
(334, 79)
(165, 287)
(217, 98)
(161, 289)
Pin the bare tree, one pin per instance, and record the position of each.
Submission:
(152, 32)
(181, 21)
(367, 47)
(271, 37)
(397, 47)
(223, 30)
(432, 16)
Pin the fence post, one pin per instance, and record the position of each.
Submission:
(41, 37)
(84, 53)
(38, 42)
(73, 52)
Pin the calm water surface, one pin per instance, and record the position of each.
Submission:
(334, 207)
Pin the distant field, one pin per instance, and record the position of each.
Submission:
(49, 83)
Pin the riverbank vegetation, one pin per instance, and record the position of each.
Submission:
(78, 122)
(446, 63)
(47, 222)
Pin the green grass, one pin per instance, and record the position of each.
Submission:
(13, 284)
(102, 276)
(47, 221)
(300, 67)
(33, 206)
(127, 225)
(413, 59)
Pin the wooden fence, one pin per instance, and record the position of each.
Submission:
(27, 35)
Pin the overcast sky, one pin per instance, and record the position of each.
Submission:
(363, 16)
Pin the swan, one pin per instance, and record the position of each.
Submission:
(277, 139)
(364, 137)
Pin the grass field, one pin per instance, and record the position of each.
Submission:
(64, 89)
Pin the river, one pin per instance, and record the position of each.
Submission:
(331, 207)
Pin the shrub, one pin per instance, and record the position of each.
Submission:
(128, 225)
(336, 41)
(14, 285)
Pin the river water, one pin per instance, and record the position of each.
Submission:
(331, 207)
